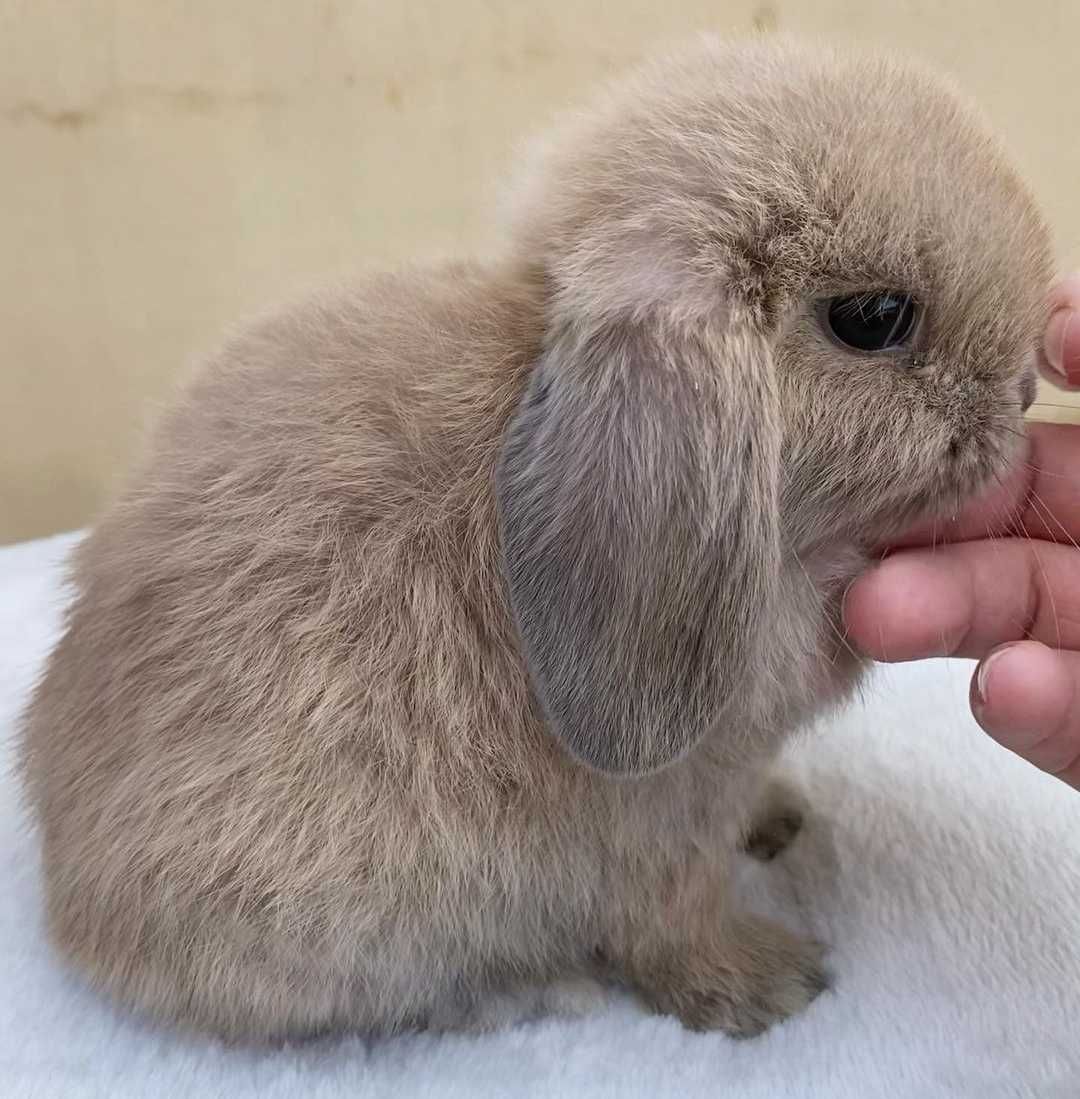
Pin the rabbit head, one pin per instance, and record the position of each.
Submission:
(793, 299)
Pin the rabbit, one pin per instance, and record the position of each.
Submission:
(442, 644)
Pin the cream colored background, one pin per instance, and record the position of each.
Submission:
(167, 165)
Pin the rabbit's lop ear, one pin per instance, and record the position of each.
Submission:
(637, 492)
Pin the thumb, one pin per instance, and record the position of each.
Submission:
(1027, 697)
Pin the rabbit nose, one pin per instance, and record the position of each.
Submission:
(1028, 388)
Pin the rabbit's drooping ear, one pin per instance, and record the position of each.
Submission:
(637, 491)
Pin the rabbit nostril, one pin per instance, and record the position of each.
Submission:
(1028, 389)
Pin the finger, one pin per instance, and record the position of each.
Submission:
(1026, 697)
(1059, 355)
(1065, 292)
(966, 599)
(1040, 497)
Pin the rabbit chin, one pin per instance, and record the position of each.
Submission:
(977, 466)
(971, 468)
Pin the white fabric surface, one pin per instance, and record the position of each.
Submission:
(944, 873)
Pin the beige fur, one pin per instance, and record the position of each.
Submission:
(306, 758)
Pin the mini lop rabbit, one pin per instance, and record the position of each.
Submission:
(439, 649)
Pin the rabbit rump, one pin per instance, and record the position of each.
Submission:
(442, 642)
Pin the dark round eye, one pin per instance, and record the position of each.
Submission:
(872, 321)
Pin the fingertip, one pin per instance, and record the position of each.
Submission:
(907, 607)
(1017, 683)
(1024, 695)
(1059, 362)
(1059, 358)
(1066, 292)
(861, 611)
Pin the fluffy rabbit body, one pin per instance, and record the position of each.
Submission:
(440, 646)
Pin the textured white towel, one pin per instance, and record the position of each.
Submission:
(944, 873)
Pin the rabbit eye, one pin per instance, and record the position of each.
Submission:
(874, 321)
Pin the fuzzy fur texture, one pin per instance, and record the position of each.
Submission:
(304, 759)
(942, 870)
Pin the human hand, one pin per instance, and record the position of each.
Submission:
(1001, 584)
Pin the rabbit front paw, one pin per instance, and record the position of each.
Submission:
(776, 821)
(760, 976)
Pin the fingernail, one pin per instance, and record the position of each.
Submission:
(982, 676)
(1058, 330)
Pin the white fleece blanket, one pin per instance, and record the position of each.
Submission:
(944, 873)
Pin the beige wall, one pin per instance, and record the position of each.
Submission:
(166, 165)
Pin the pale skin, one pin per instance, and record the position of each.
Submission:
(1001, 584)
